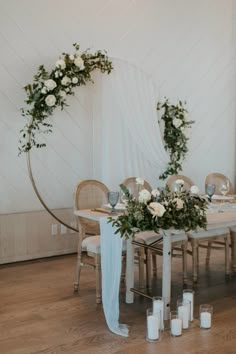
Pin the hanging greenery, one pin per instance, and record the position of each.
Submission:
(175, 139)
(50, 90)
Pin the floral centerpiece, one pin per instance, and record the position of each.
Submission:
(156, 210)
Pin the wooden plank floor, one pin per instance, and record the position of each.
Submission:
(39, 313)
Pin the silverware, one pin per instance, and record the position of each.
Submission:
(101, 210)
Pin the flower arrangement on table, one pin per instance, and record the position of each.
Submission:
(156, 210)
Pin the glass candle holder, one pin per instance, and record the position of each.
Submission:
(158, 305)
(183, 308)
(175, 324)
(188, 294)
(153, 329)
(205, 316)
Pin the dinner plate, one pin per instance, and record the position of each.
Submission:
(119, 206)
(221, 197)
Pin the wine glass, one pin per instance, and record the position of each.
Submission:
(224, 188)
(210, 190)
(113, 198)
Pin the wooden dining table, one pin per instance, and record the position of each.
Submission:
(111, 254)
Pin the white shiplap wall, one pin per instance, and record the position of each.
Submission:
(186, 47)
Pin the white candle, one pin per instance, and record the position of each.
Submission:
(176, 327)
(152, 327)
(205, 320)
(189, 296)
(183, 312)
(158, 305)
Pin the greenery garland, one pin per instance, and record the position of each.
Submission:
(175, 122)
(50, 89)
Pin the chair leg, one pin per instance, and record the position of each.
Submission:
(233, 251)
(123, 269)
(148, 269)
(141, 267)
(184, 254)
(78, 266)
(227, 263)
(154, 264)
(98, 278)
(194, 260)
(208, 255)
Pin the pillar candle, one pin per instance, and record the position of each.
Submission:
(152, 327)
(183, 312)
(158, 305)
(176, 327)
(189, 296)
(205, 319)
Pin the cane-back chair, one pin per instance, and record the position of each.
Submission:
(89, 194)
(171, 182)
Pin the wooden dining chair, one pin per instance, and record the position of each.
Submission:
(171, 182)
(131, 184)
(147, 251)
(89, 194)
(218, 179)
(199, 238)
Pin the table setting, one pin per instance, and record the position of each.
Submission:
(114, 216)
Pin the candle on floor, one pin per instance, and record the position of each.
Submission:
(188, 294)
(153, 330)
(175, 324)
(183, 307)
(205, 320)
(205, 312)
(158, 305)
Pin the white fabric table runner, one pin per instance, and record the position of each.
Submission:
(111, 253)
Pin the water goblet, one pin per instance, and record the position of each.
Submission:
(113, 198)
(210, 190)
(225, 187)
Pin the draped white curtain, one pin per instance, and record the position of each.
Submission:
(126, 135)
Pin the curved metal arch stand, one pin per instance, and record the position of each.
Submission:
(38, 194)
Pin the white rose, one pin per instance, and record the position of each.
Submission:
(140, 181)
(79, 63)
(75, 80)
(62, 93)
(155, 193)
(179, 203)
(60, 63)
(50, 84)
(65, 81)
(144, 196)
(194, 190)
(177, 122)
(50, 100)
(44, 90)
(72, 57)
(179, 181)
(56, 74)
(156, 209)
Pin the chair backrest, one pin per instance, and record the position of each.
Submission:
(218, 179)
(90, 194)
(134, 188)
(188, 183)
